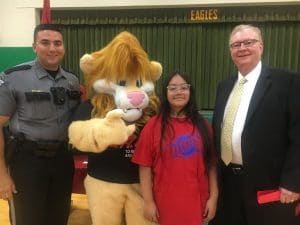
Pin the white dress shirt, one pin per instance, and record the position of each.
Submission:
(241, 114)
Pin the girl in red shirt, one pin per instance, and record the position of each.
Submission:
(176, 158)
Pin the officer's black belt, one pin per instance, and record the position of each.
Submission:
(45, 148)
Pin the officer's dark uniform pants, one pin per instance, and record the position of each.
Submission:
(44, 186)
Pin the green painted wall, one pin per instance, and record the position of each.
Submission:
(11, 56)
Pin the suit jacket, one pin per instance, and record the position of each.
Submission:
(270, 139)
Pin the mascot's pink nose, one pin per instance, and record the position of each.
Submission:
(135, 97)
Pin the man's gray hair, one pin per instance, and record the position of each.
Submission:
(245, 27)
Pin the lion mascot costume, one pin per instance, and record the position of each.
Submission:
(120, 82)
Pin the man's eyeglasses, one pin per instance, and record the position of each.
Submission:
(180, 87)
(246, 43)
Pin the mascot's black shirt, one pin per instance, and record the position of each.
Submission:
(114, 164)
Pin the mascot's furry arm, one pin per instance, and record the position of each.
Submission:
(96, 135)
(118, 76)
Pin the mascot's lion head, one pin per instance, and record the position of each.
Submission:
(121, 76)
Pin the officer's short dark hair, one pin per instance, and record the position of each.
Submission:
(47, 26)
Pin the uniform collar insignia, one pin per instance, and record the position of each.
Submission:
(1, 82)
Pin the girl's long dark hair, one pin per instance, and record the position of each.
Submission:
(191, 112)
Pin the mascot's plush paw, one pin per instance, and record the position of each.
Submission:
(95, 135)
(86, 63)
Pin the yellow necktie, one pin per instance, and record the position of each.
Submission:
(228, 122)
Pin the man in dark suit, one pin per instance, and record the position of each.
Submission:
(264, 137)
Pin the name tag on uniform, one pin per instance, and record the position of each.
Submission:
(37, 95)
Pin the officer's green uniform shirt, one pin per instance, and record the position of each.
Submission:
(26, 98)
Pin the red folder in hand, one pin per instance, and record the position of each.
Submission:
(268, 196)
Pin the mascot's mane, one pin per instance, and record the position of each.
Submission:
(122, 59)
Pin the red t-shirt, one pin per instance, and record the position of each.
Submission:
(178, 168)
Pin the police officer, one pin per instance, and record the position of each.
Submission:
(38, 99)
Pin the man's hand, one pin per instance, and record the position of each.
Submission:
(7, 186)
(287, 196)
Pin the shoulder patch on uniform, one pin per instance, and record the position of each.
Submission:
(17, 68)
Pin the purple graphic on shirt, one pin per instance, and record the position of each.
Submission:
(185, 146)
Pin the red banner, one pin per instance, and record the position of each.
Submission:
(46, 13)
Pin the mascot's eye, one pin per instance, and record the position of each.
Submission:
(122, 83)
(139, 83)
